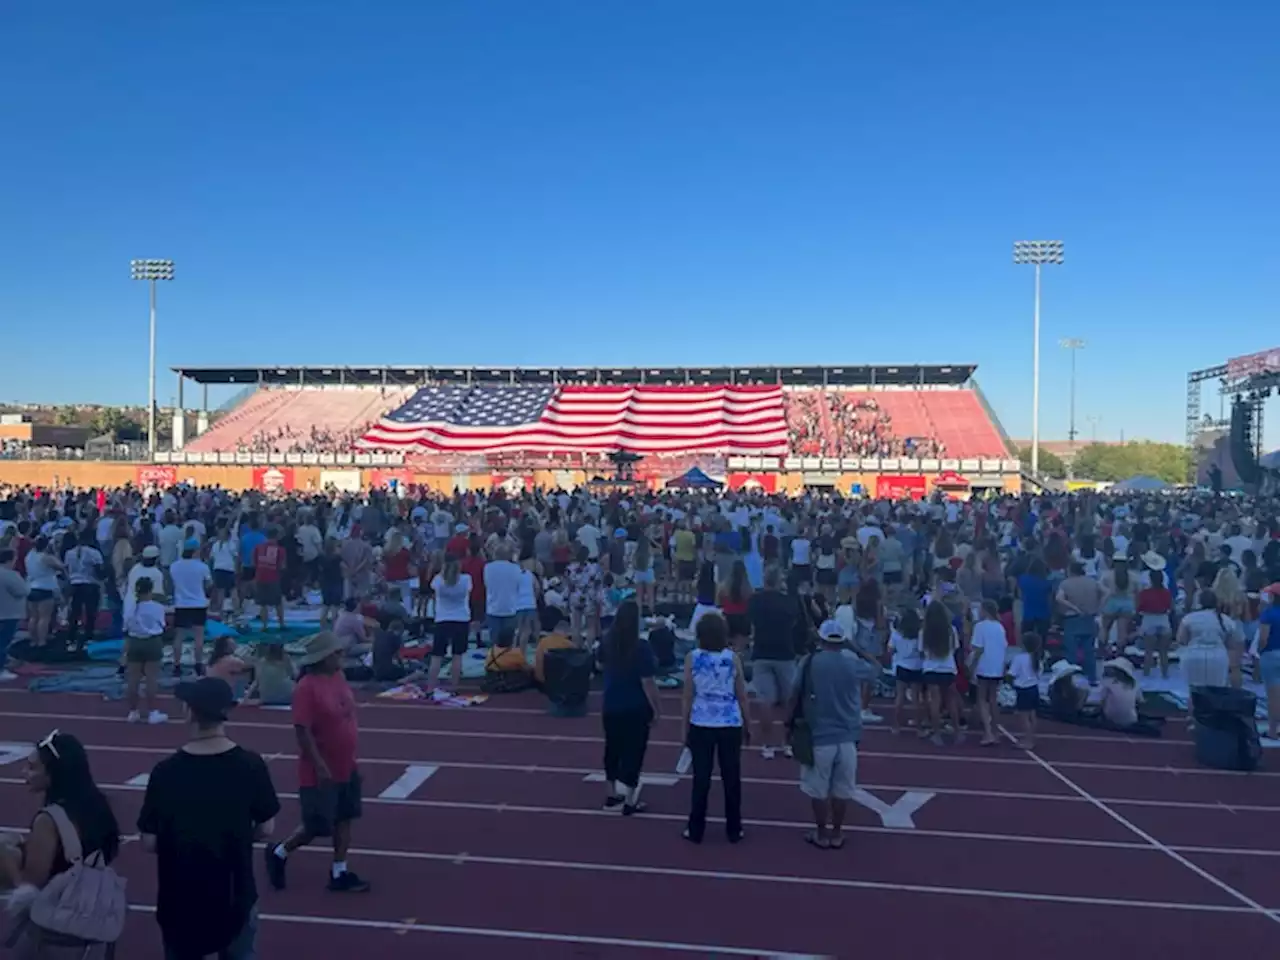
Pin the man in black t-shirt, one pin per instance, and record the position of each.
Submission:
(204, 808)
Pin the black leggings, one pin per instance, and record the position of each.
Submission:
(86, 598)
(707, 744)
(626, 738)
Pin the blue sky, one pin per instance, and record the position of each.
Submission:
(623, 182)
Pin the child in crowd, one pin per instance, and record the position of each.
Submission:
(331, 583)
(908, 658)
(1007, 620)
(143, 650)
(986, 665)
(1024, 670)
(1068, 691)
(939, 642)
(273, 675)
(225, 665)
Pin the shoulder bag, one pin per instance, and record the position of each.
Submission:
(799, 733)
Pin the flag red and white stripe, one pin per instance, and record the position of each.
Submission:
(643, 419)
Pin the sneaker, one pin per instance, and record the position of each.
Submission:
(788, 752)
(133, 717)
(6, 675)
(157, 717)
(275, 867)
(613, 801)
(870, 717)
(347, 882)
(767, 753)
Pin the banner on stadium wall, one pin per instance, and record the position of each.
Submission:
(949, 478)
(1268, 361)
(896, 486)
(156, 476)
(348, 481)
(768, 482)
(273, 479)
(386, 479)
(514, 483)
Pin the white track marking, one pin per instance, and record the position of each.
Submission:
(1152, 841)
(964, 758)
(141, 780)
(13, 752)
(414, 776)
(896, 815)
(646, 779)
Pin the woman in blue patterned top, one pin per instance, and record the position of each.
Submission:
(716, 727)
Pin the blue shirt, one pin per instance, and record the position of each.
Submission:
(249, 540)
(1035, 592)
(1271, 617)
(623, 683)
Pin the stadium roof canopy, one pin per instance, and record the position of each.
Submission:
(800, 376)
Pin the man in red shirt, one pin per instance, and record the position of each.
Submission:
(457, 545)
(269, 562)
(324, 719)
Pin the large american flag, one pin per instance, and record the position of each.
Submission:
(644, 419)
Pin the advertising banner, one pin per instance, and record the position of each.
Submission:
(151, 475)
(273, 479)
(390, 478)
(897, 486)
(768, 482)
(1268, 361)
(513, 483)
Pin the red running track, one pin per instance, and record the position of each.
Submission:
(504, 851)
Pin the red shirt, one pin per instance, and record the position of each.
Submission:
(323, 703)
(268, 561)
(1010, 628)
(397, 565)
(22, 546)
(474, 568)
(458, 545)
(1152, 600)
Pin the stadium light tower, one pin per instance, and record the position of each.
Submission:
(1038, 253)
(151, 271)
(1075, 345)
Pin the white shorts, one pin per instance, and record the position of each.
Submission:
(834, 772)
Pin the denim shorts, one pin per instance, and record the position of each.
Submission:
(1270, 662)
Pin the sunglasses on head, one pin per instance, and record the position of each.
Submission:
(48, 744)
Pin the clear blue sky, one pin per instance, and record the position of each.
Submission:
(627, 182)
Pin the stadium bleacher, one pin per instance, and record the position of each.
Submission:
(826, 422)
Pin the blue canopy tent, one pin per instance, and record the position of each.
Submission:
(1141, 484)
(694, 479)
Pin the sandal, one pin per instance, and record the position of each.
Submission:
(812, 838)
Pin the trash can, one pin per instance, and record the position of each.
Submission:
(1226, 734)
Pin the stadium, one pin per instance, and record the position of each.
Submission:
(879, 430)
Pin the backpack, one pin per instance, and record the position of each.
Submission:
(86, 901)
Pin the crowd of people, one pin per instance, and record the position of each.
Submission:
(797, 610)
(836, 423)
(288, 438)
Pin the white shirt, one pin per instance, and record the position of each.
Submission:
(907, 652)
(1023, 670)
(989, 638)
(168, 539)
(145, 620)
(501, 588)
(442, 524)
(800, 552)
(104, 528)
(589, 537)
(453, 603)
(83, 564)
(41, 575)
(189, 577)
(844, 617)
(140, 572)
(1238, 544)
(866, 532)
(224, 554)
(525, 600)
(945, 664)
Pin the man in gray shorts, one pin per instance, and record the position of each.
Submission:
(773, 661)
(832, 705)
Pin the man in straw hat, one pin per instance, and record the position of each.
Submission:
(324, 719)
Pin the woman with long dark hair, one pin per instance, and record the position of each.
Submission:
(629, 709)
(733, 597)
(58, 772)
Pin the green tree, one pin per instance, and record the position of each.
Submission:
(109, 420)
(1050, 463)
(65, 416)
(1113, 462)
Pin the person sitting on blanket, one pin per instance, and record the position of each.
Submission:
(273, 674)
(558, 639)
(504, 655)
(1068, 690)
(387, 642)
(350, 627)
(1120, 692)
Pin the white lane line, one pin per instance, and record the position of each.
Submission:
(414, 776)
(1150, 840)
(141, 780)
(13, 752)
(461, 859)
(528, 768)
(647, 779)
(963, 758)
(797, 825)
(491, 933)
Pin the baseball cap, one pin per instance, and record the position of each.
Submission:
(150, 552)
(191, 543)
(210, 698)
(830, 630)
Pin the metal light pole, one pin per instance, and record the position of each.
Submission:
(151, 271)
(1075, 345)
(1037, 253)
